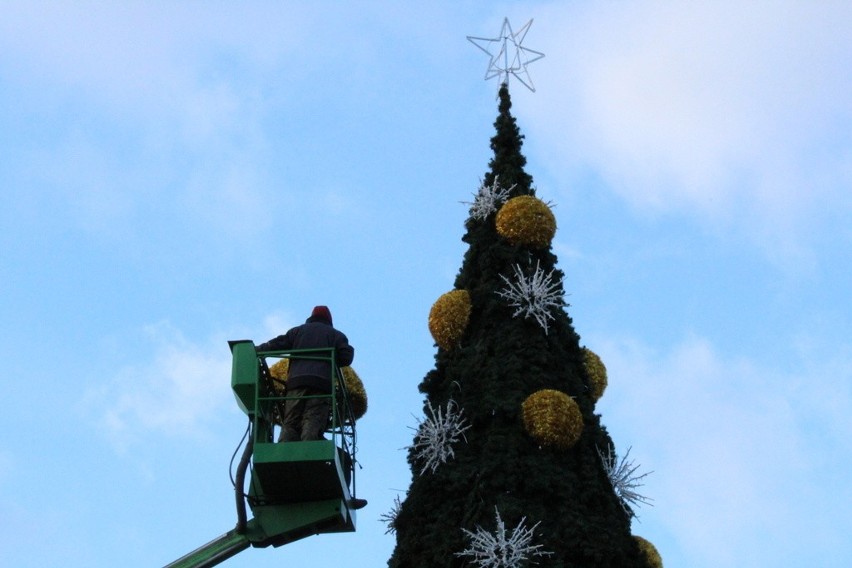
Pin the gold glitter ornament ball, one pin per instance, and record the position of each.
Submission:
(526, 220)
(279, 372)
(357, 393)
(649, 552)
(552, 418)
(449, 317)
(596, 371)
(354, 385)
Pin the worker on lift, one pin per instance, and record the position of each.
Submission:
(306, 411)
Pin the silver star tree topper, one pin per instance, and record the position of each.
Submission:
(508, 56)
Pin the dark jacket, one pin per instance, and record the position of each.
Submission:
(316, 332)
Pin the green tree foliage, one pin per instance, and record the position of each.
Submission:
(496, 465)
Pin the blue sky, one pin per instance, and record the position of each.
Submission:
(175, 175)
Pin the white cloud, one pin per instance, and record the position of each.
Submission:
(743, 456)
(735, 113)
(566, 251)
(153, 117)
(144, 55)
(178, 390)
(277, 323)
(177, 393)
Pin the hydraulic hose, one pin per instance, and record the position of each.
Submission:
(239, 486)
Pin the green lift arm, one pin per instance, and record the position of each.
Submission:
(214, 552)
(297, 489)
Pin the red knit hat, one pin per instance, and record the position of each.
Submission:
(321, 312)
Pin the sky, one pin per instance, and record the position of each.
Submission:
(175, 175)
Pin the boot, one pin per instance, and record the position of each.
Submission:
(356, 504)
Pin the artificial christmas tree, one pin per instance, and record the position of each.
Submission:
(511, 465)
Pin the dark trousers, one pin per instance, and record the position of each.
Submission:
(304, 418)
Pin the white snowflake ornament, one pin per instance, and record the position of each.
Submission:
(389, 518)
(502, 548)
(488, 199)
(533, 296)
(436, 435)
(622, 476)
